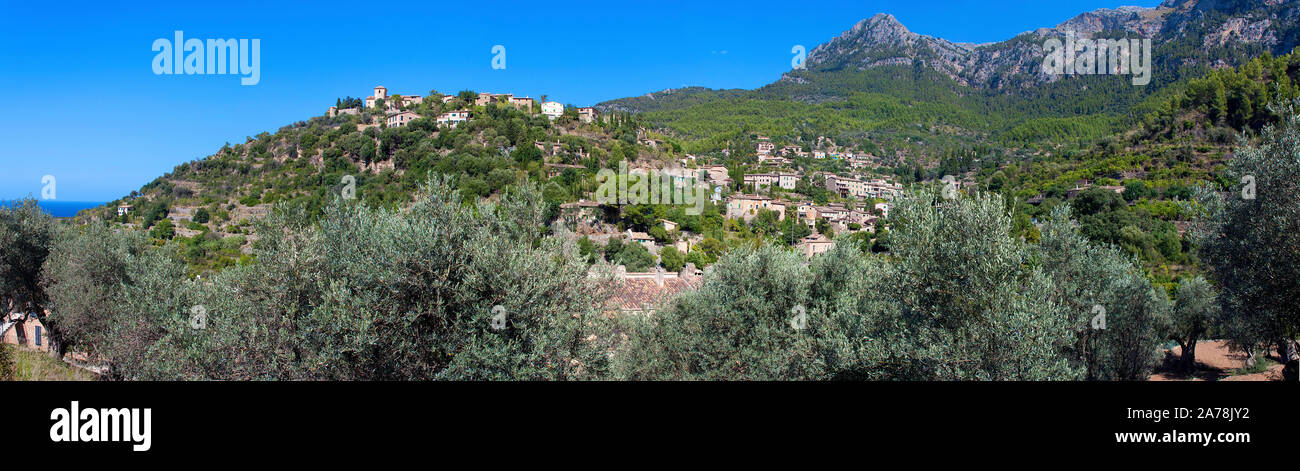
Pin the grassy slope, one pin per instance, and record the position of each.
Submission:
(37, 366)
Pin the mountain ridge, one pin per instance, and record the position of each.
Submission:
(1188, 34)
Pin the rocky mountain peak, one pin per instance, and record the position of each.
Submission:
(1145, 22)
(881, 40)
(882, 24)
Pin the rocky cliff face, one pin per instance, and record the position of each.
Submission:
(882, 40)
(1184, 33)
(1210, 25)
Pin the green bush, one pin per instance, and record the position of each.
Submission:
(672, 259)
(163, 230)
(201, 216)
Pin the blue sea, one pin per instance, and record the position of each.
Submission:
(60, 209)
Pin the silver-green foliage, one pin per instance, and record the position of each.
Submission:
(1250, 236)
(1195, 312)
(84, 275)
(26, 232)
(387, 294)
(742, 324)
(371, 294)
(120, 301)
(1092, 280)
(957, 298)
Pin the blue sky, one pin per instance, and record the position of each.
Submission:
(86, 107)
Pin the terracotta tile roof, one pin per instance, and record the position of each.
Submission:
(817, 239)
(643, 293)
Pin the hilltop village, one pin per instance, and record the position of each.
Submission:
(791, 181)
(808, 196)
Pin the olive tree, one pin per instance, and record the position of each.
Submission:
(748, 321)
(958, 299)
(83, 276)
(1195, 311)
(26, 232)
(157, 323)
(118, 299)
(1250, 238)
(442, 290)
(1117, 316)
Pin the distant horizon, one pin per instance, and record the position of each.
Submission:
(104, 124)
(59, 208)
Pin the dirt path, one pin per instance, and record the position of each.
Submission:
(1214, 362)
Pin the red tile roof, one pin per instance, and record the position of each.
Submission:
(640, 292)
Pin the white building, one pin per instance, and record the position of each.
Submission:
(453, 118)
(783, 180)
(401, 118)
(552, 109)
(875, 188)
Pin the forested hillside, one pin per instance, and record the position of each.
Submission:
(881, 84)
(209, 206)
(1186, 141)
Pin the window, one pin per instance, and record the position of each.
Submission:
(38, 336)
